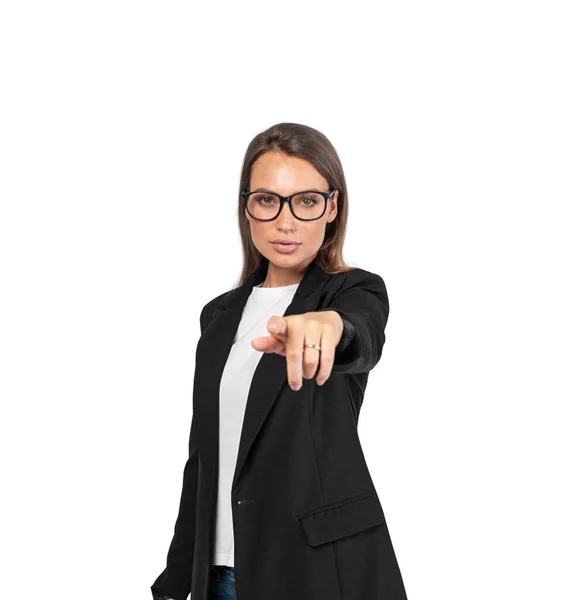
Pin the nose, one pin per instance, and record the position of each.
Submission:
(285, 218)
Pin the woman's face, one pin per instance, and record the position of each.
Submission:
(285, 175)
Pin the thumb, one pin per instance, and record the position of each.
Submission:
(277, 326)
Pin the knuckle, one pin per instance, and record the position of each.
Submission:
(314, 325)
(310, 362)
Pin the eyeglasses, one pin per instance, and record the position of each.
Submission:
(305, 206)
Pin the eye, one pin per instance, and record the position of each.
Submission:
(307, 200)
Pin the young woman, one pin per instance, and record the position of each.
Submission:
(277, 500)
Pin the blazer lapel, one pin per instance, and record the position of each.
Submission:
(270, 374)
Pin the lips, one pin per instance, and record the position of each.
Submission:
(285, 246)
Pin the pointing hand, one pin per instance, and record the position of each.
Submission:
(288, 336)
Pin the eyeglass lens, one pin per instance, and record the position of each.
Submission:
(308, 205)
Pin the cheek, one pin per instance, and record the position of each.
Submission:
(258, 231)
(315, 233)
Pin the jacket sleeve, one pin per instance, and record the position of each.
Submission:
(362, 301)
(176, 579)
(347, 334)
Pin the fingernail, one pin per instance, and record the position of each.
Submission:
(295, 389)
(274, 327)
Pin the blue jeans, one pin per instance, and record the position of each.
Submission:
(222, 583)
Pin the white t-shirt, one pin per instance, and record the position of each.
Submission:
(243, 359)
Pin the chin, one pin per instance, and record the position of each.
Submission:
(289, 261)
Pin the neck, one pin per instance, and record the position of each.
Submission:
(281, 276)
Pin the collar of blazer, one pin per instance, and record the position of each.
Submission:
(237, 298)
(270, 374)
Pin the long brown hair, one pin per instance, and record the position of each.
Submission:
(301, 141)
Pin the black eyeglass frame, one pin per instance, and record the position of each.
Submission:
(325, 195)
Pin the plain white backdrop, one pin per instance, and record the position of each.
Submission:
(122, 131)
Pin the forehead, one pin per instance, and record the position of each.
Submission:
(285, 174)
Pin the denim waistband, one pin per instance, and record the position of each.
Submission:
(219, 572)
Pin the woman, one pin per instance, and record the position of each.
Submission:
(277, 500)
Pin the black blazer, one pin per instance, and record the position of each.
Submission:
(307, 520)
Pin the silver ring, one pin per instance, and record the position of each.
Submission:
(312, 346)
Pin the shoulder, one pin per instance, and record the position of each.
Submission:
(209, 307)
(355, 278)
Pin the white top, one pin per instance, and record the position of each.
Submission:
(262, 304)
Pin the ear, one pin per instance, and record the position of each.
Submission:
(248, 217)
(332, 208)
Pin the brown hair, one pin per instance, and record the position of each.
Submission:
(301, 141)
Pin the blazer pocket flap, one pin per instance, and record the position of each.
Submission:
(335, 521)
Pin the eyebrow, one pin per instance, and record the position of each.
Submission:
(272, 191)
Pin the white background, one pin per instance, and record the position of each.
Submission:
(117, 118)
